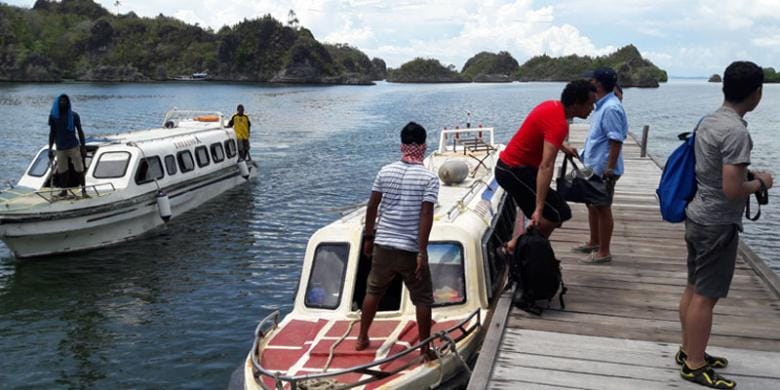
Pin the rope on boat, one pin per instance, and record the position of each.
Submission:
(336, 344)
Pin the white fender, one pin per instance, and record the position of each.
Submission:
(454, 171)
(164, 206)
(244, 169)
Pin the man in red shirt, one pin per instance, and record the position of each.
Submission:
(525, 167)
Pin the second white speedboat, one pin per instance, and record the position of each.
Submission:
(136, 182)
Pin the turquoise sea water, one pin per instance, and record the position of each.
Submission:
(178, 309)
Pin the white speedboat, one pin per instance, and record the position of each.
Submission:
(136, 182)
(313, 346)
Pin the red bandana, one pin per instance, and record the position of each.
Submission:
(413, 153)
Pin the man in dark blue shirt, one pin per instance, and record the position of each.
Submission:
(63, 124)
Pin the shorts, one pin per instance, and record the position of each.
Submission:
(520, 182)
(72, 154)
(610, 185)
(712, 256)
(243, 145)
(388, 262)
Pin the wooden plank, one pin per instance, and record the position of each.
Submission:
(480, 376)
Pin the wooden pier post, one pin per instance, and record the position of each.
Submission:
(643, 150)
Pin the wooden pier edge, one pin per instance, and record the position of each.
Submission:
(483, 369)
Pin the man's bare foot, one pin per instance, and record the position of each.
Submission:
(361, 344)
(428, 354)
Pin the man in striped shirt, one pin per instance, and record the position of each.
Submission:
(405, 193)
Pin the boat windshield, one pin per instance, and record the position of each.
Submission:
(445, 260)
(327, 276)
(40, 165)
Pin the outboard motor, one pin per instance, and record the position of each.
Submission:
(164, 206)
(244, 169)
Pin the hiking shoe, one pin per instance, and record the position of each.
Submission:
(594, 259)
(712, 361)
(585, 248)
(706, 376)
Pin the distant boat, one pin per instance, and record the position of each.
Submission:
(197, 76)
(136, 182)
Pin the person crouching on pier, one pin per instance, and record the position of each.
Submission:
(714, 218)
(405, 192)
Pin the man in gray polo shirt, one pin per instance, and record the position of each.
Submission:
(714, 218)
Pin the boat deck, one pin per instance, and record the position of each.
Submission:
(620, 329)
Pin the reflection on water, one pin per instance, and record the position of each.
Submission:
(178, 308)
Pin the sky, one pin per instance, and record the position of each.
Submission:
(687, 38)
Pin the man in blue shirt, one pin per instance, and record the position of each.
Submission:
(602, 152)
(63, 125)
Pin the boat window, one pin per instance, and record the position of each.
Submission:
(202, 155)
(170, 164)
(149, 169)
(446, 262)
(40, 165)
(327, 276)
(186, 163)
(217, 153)
(111, 165)
(503, 229)
(230, 148)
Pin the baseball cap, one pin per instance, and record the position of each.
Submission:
(604, 75)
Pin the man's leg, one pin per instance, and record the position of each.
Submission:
(593, 222)
(370, 305)
(685, 302)
(423, 325)
(698, 324)
(605, 225)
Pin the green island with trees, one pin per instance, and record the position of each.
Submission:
(81, 40)
(770, 76)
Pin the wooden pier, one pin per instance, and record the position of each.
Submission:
(620, 328)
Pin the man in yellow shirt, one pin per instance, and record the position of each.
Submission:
(241, 125)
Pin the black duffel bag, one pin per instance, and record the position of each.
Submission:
(578, 187)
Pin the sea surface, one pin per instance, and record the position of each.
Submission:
(177, 310)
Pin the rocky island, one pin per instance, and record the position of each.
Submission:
(632, 69)
(422, 70)
(80, 40)
(488, 67)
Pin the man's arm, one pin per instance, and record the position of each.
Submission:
(51, 136)
(543, 179)
(736, 187)
(614, 153)
(77, 124)
(230, 123)
(371, 210)
(248, 124)
(426, 223)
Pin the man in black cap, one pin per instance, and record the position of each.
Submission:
(603, 153)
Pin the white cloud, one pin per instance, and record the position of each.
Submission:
(767, 41)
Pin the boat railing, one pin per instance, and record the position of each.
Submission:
(50, 197)
(468, 140)
(173, 117)
(460, 205)
(371, 369)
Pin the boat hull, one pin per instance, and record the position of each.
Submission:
(49, 236)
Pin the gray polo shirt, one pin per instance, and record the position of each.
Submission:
(721, 139)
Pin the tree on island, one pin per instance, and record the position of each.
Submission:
(422, 70)
(490, 67)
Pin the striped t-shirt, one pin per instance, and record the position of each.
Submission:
(404, 188)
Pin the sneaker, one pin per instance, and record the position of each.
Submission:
(63, 194)
(593, 259)
(706, 376)
(712, 361)
(585, 248)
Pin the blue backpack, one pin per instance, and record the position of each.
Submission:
(678, 180)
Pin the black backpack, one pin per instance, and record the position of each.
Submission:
(537, 272)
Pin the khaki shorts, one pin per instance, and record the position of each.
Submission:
(388, 262)
(72, 154)
(712, 257)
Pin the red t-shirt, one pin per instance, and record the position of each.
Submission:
(546, 122)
